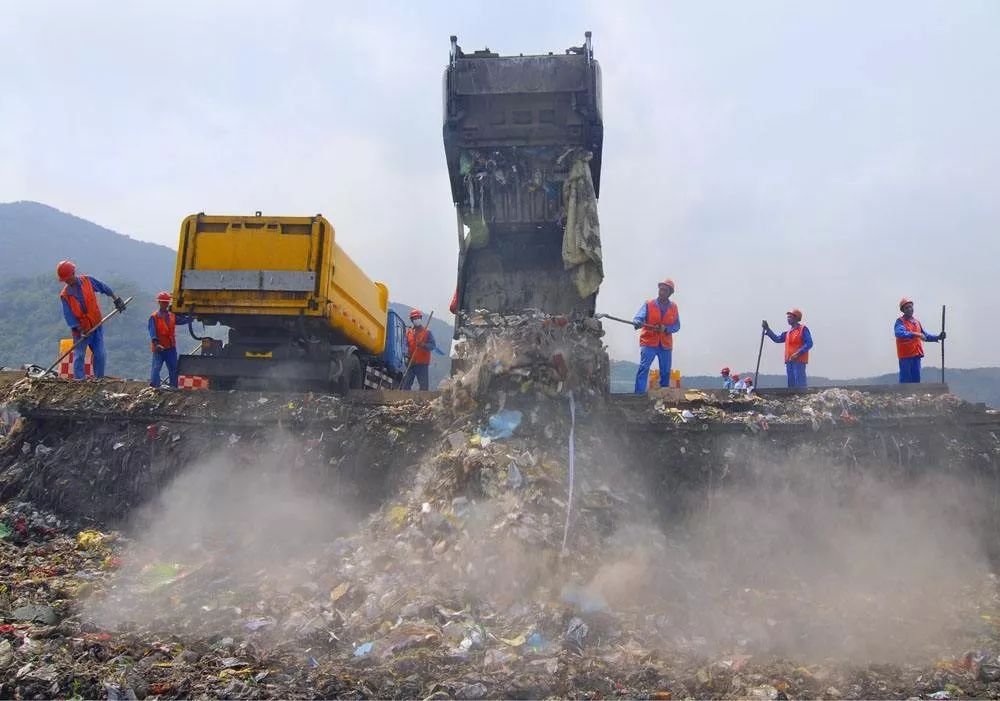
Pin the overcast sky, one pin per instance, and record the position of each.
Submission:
(827, 155)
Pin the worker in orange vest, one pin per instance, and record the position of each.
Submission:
(797, 342)
(163, 340)
(83, 314)
(419, 343)
(910, 337)
(658, 320)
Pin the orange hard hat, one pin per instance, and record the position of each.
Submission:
(668, 282)
(797, 313)
(163, 297)
(65, 270)
(725, 371)
(416, 314)
(903, 302)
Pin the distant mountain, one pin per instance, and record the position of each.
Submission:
(35, 237)
(973, 385)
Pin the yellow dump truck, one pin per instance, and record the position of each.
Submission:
(300, 313)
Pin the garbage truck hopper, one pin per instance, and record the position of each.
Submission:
(300, 312)
(523, 137)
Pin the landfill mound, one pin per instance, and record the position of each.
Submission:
(521, 536)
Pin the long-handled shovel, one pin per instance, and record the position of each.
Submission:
(623, 321)
(36, 372)
(942, 344)
(760, 352)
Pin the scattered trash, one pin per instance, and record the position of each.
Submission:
(501, 425)
(258, 623)
(36, 614)
(576, 632)
(363, 649)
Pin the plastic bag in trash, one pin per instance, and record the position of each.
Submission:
(502, 425)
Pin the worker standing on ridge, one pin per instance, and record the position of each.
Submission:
(910, 337)
(420, 342)
(659, 320)
(797, 342)
(727, 381)
(163, 339)
(83, 314)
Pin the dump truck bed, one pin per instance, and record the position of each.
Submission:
(514, 127)
(264, 271)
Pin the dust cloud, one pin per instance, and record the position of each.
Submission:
(797, 562)
(242, 517)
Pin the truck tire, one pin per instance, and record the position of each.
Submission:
(352, 371)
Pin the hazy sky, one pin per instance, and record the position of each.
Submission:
(827, 155)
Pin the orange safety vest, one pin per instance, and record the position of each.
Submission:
(164, 330)
(910, 347)
(420, 356)
(90, 315)
(651, 337)
(793, 341)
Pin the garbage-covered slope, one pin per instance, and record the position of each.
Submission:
(262, 546)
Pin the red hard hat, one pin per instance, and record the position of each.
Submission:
(797, 313)
(65, 270)
(668, 282)
(735, 376)
(749, 380)
(904, 301)
(163, 297)
(416, 314)
(725, 371)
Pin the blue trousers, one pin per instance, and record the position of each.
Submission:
(418, 373)
(664, 357)
(909, 370)
(96, 344)
(169, 358)
(796, 374)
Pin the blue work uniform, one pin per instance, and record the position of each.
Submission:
(663, 355)
(96, 339)
(167, 356)
(909, 367)
(795, 369)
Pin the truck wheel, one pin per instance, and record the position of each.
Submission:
(352, 369)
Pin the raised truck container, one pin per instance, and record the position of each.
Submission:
(514, 127)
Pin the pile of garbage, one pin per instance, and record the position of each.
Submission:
(514, 538)
(530, 354)
(833, 407)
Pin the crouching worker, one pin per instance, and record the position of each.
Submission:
(163, 340)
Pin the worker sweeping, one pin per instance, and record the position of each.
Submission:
(420, 343)
(83, 315)
(798, 341)
(658, 320)
(163, 340)
(910, 337)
